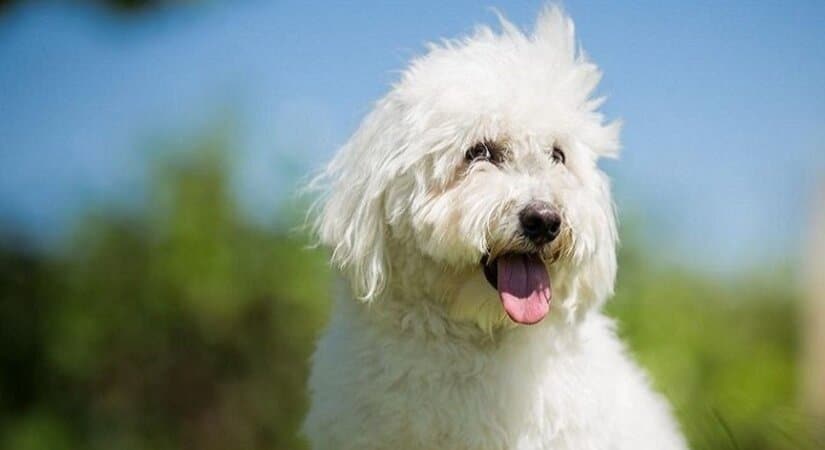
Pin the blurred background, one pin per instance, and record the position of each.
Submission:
(156, 291)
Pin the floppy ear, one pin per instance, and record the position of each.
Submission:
(352, 220)
(597, 273)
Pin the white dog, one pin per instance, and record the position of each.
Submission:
(477, 233)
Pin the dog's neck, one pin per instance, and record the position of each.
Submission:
(397, 312)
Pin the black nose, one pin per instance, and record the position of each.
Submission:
(540, 222)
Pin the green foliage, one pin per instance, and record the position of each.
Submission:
(725, 354)
(185, 327)
(182, 328)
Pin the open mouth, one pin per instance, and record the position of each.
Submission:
(523, 285)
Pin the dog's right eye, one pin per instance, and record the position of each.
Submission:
(482, 151)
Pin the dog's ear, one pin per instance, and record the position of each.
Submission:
(598, 266)
(351, 217)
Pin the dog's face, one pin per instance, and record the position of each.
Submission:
(474, 182)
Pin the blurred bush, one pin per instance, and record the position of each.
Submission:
(184, 327)
(725, 352)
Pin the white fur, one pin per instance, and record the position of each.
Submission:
(427, 359)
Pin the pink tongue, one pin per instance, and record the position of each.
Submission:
(524, 288)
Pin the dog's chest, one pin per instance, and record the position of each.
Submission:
(425, 394)
(486, 401)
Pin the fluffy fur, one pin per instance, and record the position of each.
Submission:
(426, 357)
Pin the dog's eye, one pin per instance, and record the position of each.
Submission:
(479, 152)
(558, 156)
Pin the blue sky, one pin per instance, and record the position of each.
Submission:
(723, 104)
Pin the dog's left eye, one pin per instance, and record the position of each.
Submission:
(482, 151)
(558, 155)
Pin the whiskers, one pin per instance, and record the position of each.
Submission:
(561, 247)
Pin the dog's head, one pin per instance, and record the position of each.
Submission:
(474, 182)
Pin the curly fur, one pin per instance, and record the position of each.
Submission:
(426, 358)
